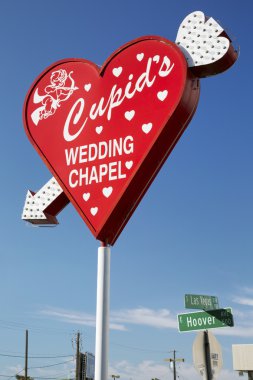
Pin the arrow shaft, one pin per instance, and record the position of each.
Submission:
(48, 193)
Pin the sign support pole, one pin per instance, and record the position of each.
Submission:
(209, 375)
(102, 313)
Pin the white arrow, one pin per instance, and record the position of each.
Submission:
(43, 206)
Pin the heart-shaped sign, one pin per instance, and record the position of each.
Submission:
(105, 132)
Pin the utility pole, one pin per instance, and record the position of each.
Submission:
(77, 355)
(174, 360)
(26, 353)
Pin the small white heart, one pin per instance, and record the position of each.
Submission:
(93, 211)
(129, 115)
(129, 164)
(107, 191)
(86, 196)
(87, 87)
(99, 129)
(162, 95)
(140, 56)
(156, 58)
(117, 71)
(147, 127)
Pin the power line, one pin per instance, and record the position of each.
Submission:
(45, 366)
(51, 357)
(51, 378)
(37, 357)
(56, 376)
(10, 377)
(36, 377)
(52, 365)
(12, 325)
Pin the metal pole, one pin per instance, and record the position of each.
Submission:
(26, 353)
(209, 375)
(174, 365)
(102, 316)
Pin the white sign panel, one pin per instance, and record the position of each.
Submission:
(242, 357)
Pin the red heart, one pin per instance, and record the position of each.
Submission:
(105, 132)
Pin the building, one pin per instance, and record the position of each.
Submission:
(86, 366)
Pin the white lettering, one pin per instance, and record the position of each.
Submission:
(93, 152)
(83, 176)
(113, 171)
(66, 134)
(73, 184)
(120, 174)
(166, 67)
(76, 119)
(71, 156)
(100, 151)
(104, 172)
(93, 175)
(145, 78)
(189, 321)
(82, 154)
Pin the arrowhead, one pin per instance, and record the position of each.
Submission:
(33, 211)
(43, 206)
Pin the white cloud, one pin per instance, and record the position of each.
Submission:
(76, 317)
(150, 369)
(243, 301)
(14, 370)
(70, 316)
(161, 318)
(247, 290)
(65, 370)
(237, 331)
(143, 370)
(118, 319)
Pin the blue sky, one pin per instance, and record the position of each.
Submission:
(192, 232)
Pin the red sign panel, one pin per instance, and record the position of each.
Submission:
(105, 132)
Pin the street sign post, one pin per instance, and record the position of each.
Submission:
(207, 354)
(196, 301)
(203, 320)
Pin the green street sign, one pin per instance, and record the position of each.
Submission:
(196, 301)
(203, 320)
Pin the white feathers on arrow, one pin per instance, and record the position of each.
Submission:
(205, 45)
(199, 39)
